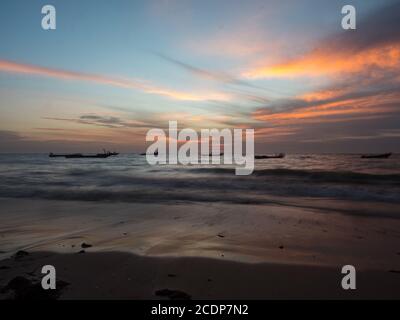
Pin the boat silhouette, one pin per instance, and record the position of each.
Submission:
(145, 154)
(376, 156)
(272, 156)
(103, 155)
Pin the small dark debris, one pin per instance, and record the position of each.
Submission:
(222, 255)
(82, 251)
(281, 247)
(171, 275)
(86, 245)
(124, 233)
(221, 236)
(5, 267)
(173, 294)
(209, 280)
(20, 254)
(394, 271)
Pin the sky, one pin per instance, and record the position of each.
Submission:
(112, 70)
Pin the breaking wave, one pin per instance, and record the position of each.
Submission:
(130, 179)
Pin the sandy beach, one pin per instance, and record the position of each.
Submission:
(199, 251)
(116, 275)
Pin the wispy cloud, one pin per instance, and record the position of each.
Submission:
(208, 74)
(103, 121)
(375, 45)
(27, 69)
(301, 110)
(7, 135)
(322, 62)
(364, 87)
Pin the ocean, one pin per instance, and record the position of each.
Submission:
(128, 178)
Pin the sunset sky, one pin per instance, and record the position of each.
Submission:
(114, 69)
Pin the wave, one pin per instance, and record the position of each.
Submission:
(93, 182)
(251, 191)
(174, 197)
(316, 175)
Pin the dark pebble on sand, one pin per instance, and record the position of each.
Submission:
(86, 245)
(173, 294)
(281, 247)
(25, 289)
(221, 236)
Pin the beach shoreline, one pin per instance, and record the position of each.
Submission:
(248, 251)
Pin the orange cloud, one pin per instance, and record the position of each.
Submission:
(323, 95)
(320, 111)
(12, 67)
(329, 62)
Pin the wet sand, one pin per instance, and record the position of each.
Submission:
(206, 251)
(116, 275)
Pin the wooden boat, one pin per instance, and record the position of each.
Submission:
(272, 156)
(80, 155)
(376, 156)
(103, 155)
(145, 154)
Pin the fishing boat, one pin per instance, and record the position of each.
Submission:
(376, 156)
(272, 156)
(145, 154)
(103, 155)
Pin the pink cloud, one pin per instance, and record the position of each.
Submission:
(19, 68)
